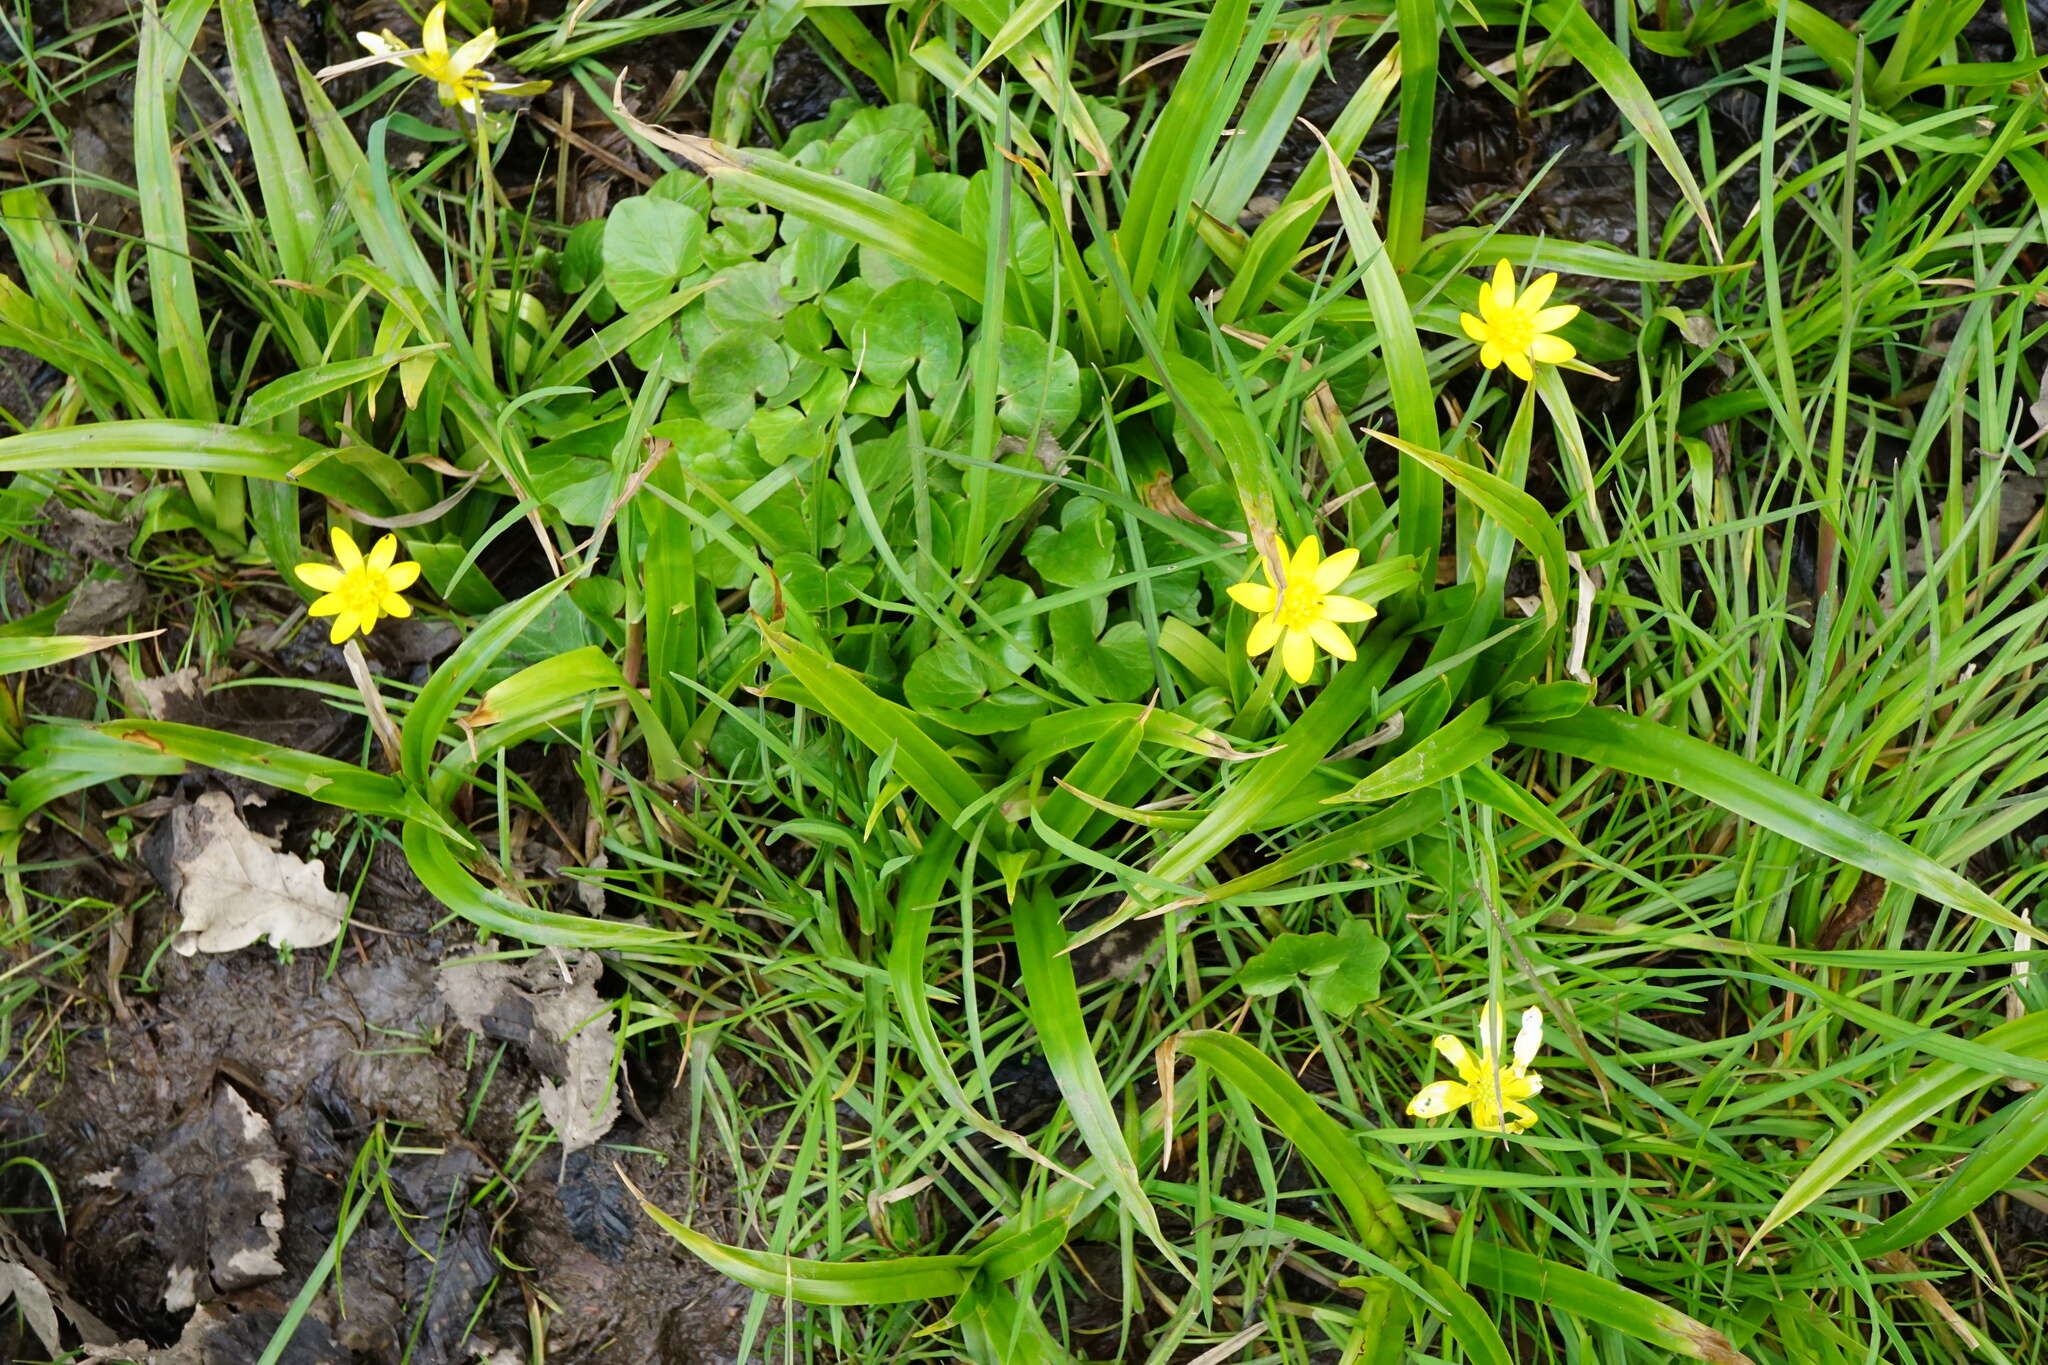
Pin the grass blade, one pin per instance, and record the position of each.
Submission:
(1575, 32)
(1630, 744)
(1054, 1004)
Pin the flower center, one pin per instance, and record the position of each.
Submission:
(1515, 328)
(362, 594)
(1300, 606)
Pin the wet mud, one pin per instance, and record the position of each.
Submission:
(209, 1152)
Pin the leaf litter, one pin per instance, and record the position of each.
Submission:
(549, 1006)
(234, 886)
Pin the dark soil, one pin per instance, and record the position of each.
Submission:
(321, 1055)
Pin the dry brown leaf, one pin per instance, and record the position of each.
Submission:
(549, 1006)
(232, 886)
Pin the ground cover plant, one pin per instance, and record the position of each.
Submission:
(1227, 682)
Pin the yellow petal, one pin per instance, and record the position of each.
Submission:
(1504, 284)
(1488, 305)
(1550, 319)
(1435, 1100)
(344, 626)
(1529, 1041)
(1524, 1117)
(345, 552)
(434, 32)
(325, 606)
(1265, 633)
(1332, 572)
(382, 553)
(381, 44)
(1493, 1030)
(402, 575)
(1332, 638)
(471, 54)
(1344, 610)
(1489, 355)
(1518, 364)
(1474, 327)
(1302, 568)
(318, 577)
(1253, 596)
(1551, 350)
(1298, 655)
(1459, 1056)
(1538, 293)
(391, 604)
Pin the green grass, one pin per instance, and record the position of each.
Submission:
(847, 530)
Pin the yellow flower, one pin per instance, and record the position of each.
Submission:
(458, 74)
(1515, 330)
(1303, 610)
(1495, 1092)
(363, 589)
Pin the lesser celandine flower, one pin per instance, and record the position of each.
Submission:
(360, 590)
(457, 75)
(1301, 610)
(1515, 329)
(1497, 1094)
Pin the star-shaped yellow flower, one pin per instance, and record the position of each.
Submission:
(1496, 1093)
(1514, 330)
(1302, 610)
(359, 589)
(457, 75)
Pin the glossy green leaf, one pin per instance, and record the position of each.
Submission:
(18, 653)
(1375, 1220)
(1597, 1299)
(884, 727)
(1450, 749)
(1053, 1002)
(1629, 744)
(1888, 1118)
(1574, 31)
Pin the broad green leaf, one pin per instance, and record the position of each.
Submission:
(909, 327)
(650, 243)
(1340, 971)
(1464, 740)
(1375, 1219)
(886, 728)
(1629, 744)
(1597, 1299)
(1574, 31)
(1889, 1117)
(1053, 1002)
(18, 654)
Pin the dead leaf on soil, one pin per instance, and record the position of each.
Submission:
(564, 1025)
(20, 1285)
(213, 1188)
(232, 886)
(158, 698)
